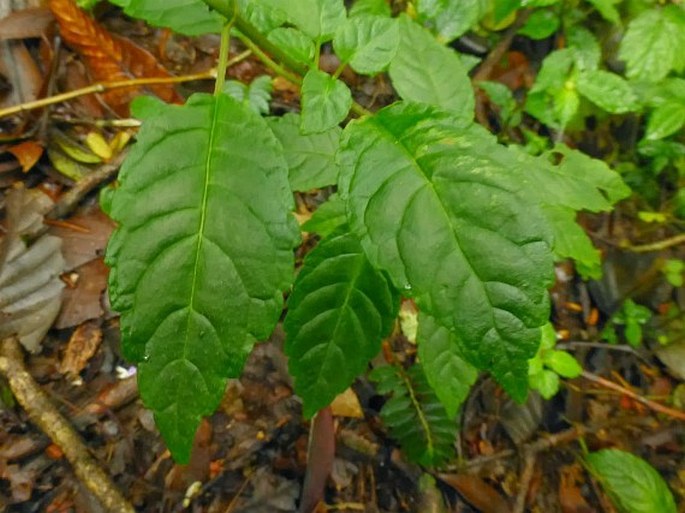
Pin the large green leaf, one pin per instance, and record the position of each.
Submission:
(425, 71)
(340, 309)
(325, 102)
(367, 43)
(633, 484)
(666, 120)
(311, 158)
(446, 370)
(435, 204)
(201, 255)
(190, 17)
(654, 43)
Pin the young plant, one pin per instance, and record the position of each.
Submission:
(429, 207)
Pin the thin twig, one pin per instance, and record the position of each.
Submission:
(70, 200)
(658, 407)
(44, 414)
(101, 88)
(659, 245)
(524, 481)
(496, 54)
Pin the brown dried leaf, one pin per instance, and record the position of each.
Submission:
(108, 57)
(27, 23)
(27, 153)
(83, 301)
(83, 344)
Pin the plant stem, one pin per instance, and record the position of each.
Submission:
(227, 9)
(658, 246)
(268, 61)
(223, 59)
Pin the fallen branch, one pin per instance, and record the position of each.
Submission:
(653, 405)
(44, 414)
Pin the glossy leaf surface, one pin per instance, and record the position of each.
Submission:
(201, 255)
(446, 370)
(339, 310)
(436, 207)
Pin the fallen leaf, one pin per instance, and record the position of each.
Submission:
(27, 23)
(82, 345)
(347, 405)
(30, 288)
(84, 236)
(108, 57)
(83, 302)
(27, 153)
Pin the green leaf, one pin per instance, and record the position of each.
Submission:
(414, 415)
(256, 96)
(665, 120)
(311, 158)
(293, 42)
(608, 91)
(654, 43)
(198, 267)
(632, 483)
(425, 71)
(546, 382)
(367, 43)
(586, 49)
(571, 241)
(325, 102)
(449, 19)
(375, 7)
(338, 313)
(430, 191)
(447, 372)
(541, 24)
(563, 364)
(319, 19)
(189, 17)
(608, 10)
(263, 15)
(329, 216)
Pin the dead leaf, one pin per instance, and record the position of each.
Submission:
(477, 492)
(347, 405)
(27, 153)
(84, 236)
(83, 344)
(27, 23)
(30, 288)
(571, 498)
(83, 301)
(108, 57)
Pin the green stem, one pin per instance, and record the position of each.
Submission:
(268, 61)
(226, 8)
(223, 59)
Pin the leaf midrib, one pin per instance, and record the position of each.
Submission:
(203, 221)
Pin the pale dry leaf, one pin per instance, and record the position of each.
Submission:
(30, 268)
